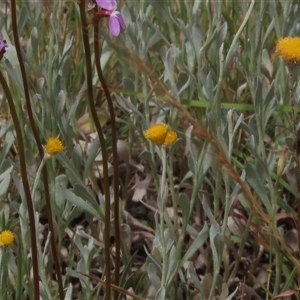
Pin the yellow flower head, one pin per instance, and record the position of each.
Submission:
(157, 133)
(54, 146)
(6, 238)
(289, 49)
(171, 137)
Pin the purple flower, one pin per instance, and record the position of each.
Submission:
(3, 45)
(115, 18)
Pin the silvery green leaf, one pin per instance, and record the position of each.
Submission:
(253, 178)
(188, 175)
(69, 292)
(197, 243)
(216, 243)
(69, 41)
(148, 157)
(77, 156)
(72, 108)
(161, 294)
(232, 294)
(5, 178)
(94, 149)
(169, 239)
(184, 204)
(60, 181)
(127, 105)
(71, 171)
(23, 16)
(84, 205)
(208, 212)
(13, 70)
(32, 45)
(172, 264)
(197, 38)
(86, 194)
(161, 7)
(78, 243)
(182, 83)
(222, 141)
(19, 186)
(80, 268)
(44, 292)
(128, 85)
(224, 292)
(153, 258)
(60, 103)
(151, 271)
(194, 277)
(238, 122)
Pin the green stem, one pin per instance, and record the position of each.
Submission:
(89, 72)
(161, 207)
(37, 178)
(226, 177)
(40, 149)
(19, 283)
(115, 160)
(197, 179)
(296, 145)
(170, 171)
(28, 198)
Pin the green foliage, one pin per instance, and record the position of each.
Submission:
(217, 217)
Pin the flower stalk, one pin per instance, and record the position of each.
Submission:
(160, 135)
(289, 49)
(161, 207)
(87, 51)
(115, 160)
(21, 151)
(53, 146)
(41, 154)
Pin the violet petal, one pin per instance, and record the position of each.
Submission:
(114, 25)
(3, 44)
(120, 19)
(107, 4)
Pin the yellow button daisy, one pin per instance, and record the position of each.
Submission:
(171, 137)
(157, 133)
(6, 238)
(54, 146)
(289, 49)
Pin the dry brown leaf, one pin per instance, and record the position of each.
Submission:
(86, 125)
(151, 293)
(207, 283)
(287, 293)
(198, 296)
(139, 167)
(131, 221)
(98, 169)
(235, 226)
(140, 188)
(141, 236)
(261, 278)
(115, 287)
(249, 293)
(123, 151)
(126, 236)
(291, 239)
(292, 179)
